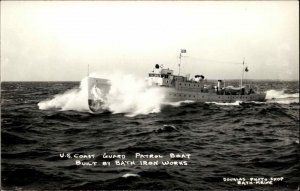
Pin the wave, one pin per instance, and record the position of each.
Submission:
(178, 103)
(280, 94)
(281, 97)
(130, 175)
(226, 103)
(127, 95)
(74, 99)
(272, 96)
(132, 96)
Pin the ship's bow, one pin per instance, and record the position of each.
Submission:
(98, 88)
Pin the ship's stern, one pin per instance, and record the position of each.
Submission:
(260, 97)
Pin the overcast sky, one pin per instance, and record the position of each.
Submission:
(54, 41)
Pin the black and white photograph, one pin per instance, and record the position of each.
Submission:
(150, 95)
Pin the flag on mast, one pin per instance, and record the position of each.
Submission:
(246, 69)
(183, 51)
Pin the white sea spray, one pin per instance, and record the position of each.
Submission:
(279, 96)
(127, 94)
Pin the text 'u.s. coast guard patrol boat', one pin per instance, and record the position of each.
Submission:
(180, 88)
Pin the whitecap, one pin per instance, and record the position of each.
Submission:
(130, 175)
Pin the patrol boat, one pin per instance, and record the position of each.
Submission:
(180, 88)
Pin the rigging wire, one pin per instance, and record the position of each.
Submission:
(211, 60)
(216, 61)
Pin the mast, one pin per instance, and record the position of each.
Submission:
(88, 72)
(180, 56)
(179, 64)
(242, 73)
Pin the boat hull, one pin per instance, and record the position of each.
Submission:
(99, 88)
(212, 97)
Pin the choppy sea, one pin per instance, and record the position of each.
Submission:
(219, 146)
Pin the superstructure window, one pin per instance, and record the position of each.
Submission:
(154, 75)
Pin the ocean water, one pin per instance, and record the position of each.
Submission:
(216, 143)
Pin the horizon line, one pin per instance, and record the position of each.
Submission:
(206, 79)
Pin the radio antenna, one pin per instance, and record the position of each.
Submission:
(243, 69)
